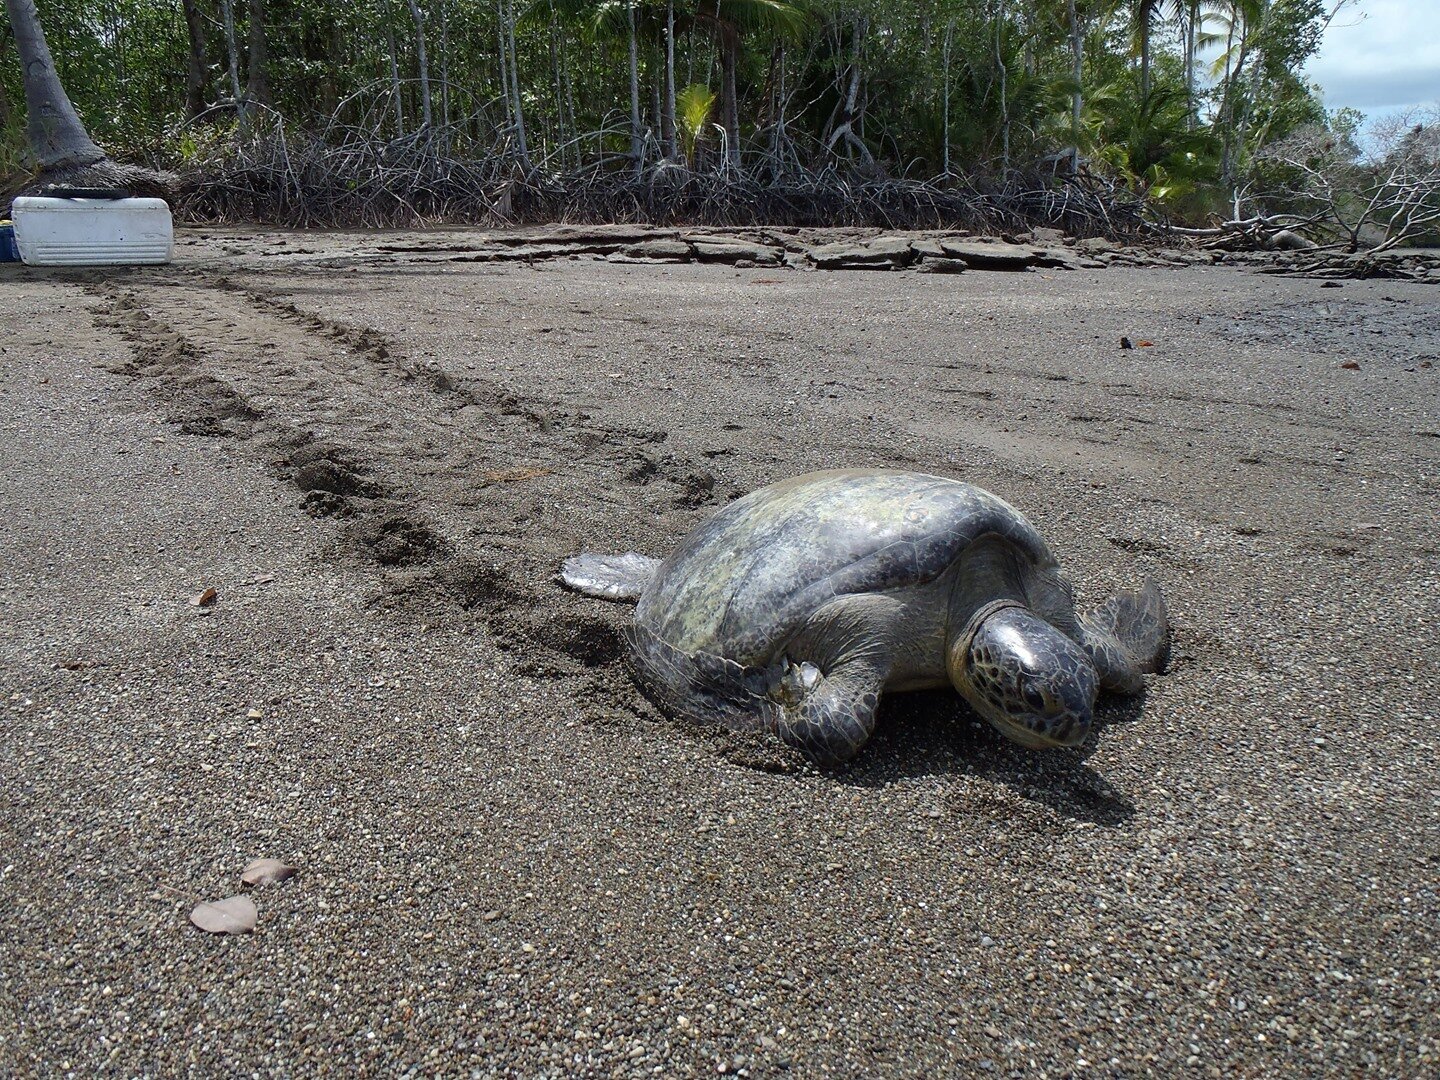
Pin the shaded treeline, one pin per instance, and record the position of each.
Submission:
(1172, 98)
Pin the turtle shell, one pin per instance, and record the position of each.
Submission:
(744, 582)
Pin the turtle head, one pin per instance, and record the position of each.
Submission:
(1035, 685)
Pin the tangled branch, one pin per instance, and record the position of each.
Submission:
(349, 176)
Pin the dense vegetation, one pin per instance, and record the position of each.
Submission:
(768, 92)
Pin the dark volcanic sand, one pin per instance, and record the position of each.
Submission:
(509, 863)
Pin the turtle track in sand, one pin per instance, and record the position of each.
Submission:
(451, 491)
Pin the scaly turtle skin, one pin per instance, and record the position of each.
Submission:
(794, 609)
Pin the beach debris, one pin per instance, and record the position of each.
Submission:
(232, 915)
(204, 599)
(267, 872)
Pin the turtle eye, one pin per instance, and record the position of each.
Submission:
(1034, 697)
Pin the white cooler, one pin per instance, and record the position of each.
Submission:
(92, 232)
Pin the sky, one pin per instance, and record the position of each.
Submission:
(1380, 56)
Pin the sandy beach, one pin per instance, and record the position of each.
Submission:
(377, 449)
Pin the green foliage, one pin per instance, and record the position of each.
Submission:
(1138, 135)
(693, 107)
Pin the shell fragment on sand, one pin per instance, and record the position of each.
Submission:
(266, 872)
(233, 915)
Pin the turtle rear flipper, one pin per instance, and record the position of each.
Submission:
(1126, 637)
(610, 577)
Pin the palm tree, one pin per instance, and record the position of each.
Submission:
(1077, 74)
(694, 105)
(728, 21)
(1241, 21)
(613, 19)
(1191, 20)
(1145, 14)
(64, 152)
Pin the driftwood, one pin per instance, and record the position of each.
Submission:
(1262, 232)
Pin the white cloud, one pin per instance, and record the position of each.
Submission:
(1380, 56)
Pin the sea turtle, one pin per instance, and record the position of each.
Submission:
(794, 608)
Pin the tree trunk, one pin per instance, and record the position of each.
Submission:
(196, 71)
(427, 113)
(567, 72)
(444, 63)
(564, 92)
(945, 100)
(1004, 92)
(504, 64)
(232, 49)
(780, 144)
(656, 120)
(1144, 12)
(1257, 68)
(331, 42)
(394, 70)
(7, 114)
(1191, 29)
(636, 136)
(1228, 106)
(849, 113)
(1077, 72)
(1029, 16)
(515, 85)
(57, 137)
(257, 83)
(561, 137)
(667, 120)
(118, 47)
(729, 97)
(63, 150)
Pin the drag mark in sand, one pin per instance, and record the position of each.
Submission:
(453, 488)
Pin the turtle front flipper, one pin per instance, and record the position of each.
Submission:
(829, 681)
(1126, 637)
(819, 694)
